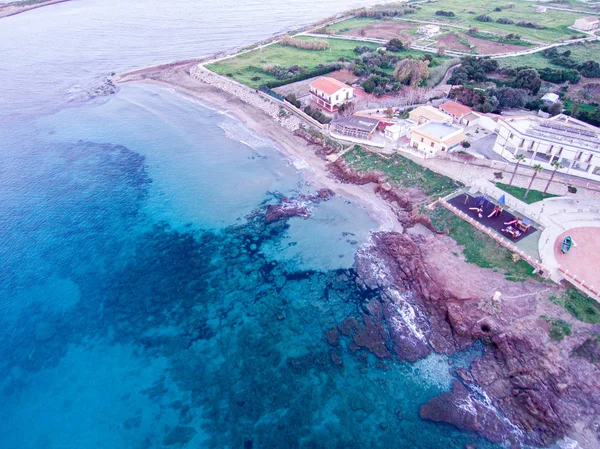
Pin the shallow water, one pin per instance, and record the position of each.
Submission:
(143, 302)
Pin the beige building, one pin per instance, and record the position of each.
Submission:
(587, 23)
(329, 93)
(429, 138)
(424, 114)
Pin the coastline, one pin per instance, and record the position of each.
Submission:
(10, 10)
(176, 76)
(432, 299)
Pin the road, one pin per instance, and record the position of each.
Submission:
(484, 147)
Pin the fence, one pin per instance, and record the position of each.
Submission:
(591, 291)
(504, 242)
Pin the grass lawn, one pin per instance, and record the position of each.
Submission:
(580, 53)
(245, 67)
(519, 193)
(555, 23)
(580, 107)
(581, 307)
(479, 248)
(399, 171)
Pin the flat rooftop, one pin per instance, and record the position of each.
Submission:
(439, 130)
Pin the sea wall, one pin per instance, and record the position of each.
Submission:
(253, 97)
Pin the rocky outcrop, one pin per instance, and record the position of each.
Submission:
(296, 207)
(458, 407)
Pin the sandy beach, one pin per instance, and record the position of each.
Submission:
(177, 76)
(11, 10)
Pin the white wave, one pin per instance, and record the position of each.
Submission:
(235, 131)
(407, 317)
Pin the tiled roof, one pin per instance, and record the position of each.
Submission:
(328, 85)
(454, 108)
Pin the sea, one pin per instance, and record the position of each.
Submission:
(144, 303)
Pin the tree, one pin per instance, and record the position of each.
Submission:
(509, 97)
(528, 79)
(441, 50)
(395, 45)
(536, 169)
(555, 108)
(520, 158)
(411, 71)
(556, 164)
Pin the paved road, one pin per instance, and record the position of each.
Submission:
(484, 147)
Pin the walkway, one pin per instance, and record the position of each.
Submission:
(583, 259)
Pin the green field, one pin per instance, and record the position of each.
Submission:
(555, 23)
(244, 67)
(247, 68)
(580, 53)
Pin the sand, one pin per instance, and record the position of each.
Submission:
(11, 10)
(177, 76)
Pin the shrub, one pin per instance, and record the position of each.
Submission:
(505, 21)
(528, 79)
(255, 78)
(292, 99)
(303, 75)
(465, 144)
(572, 189)
(484, 18)
(529, 24)
(317, 114)
(445, 13)
(313, 44)
(559, 76)
(359, 50)
(509, 97)
(395, 45)
(590, 69)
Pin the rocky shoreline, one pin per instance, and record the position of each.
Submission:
(526, 388)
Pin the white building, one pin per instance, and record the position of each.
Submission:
(550, 98)
(574, 143)
(429, 138)
(429, 30)
(541, 9)
(587, 23)
(329, 93)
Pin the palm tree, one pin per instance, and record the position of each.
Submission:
(556, 164)
(519, 158)
(536, 169)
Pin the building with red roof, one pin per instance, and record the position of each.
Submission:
(456, 110)
(329, 93)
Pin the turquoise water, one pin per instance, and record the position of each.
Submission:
(143, 301)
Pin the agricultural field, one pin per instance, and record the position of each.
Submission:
(580, 53)
(373, 28)
(555, 23)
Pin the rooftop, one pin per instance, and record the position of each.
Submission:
(439, 130)
(361, 123)
(429, 113)
(328, 85)
(590, 19)
(454, 108)
(560, 129)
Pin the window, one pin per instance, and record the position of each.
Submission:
(337, 97)
(511, 136)
(431, 144)
(421, 140)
